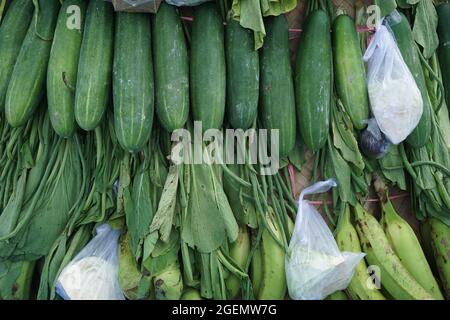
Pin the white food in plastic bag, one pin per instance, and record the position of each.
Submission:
(88, 279)
(396, 101)
(315, 267)
(94, 273)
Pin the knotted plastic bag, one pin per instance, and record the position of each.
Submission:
(93, 273)
(395, 99)
(315, 267)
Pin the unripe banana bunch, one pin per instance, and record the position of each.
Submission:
(407, 247)
(394, 277)
(347, 240)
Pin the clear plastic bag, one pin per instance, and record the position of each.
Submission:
(93, 273)
(315, 267)
(180, 3)
(136, 5)
(395, 99)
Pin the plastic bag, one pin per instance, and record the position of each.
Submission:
(190, 3)
(396, 101)
(373, 143)
(93, 273)
(315, 267)
(136, 5)
(180, 3)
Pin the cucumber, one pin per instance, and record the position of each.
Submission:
(208, 79)
(171, 69)
(63, 68)
(27, 85)
(133, 85)
(242, 76)
(314, 80)
(443, 11)
(277, 86)
(95, 65)
(12, 32)
(349, 70)
(407, 46)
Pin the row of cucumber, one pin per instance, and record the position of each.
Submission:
(94, 49)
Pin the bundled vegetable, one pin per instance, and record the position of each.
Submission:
(42, 198)
(179, 219)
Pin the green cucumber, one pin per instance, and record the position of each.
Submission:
(277, 86)
(408, 49)
(12, 33)
(350, 72)
(443, 11)
(171, 68)
(242, 76)
(27, 85)
(208, 79)
(95, 65)
(133, 85)
(314, 81)
(63, 67)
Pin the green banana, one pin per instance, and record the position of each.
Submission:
(338, 295)
(191, 294)
(273, 280)
(239, 251)
(440, 234)
(395, 278)
(169, 283)
(347, 240)
(15, 281)
(407, 247)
